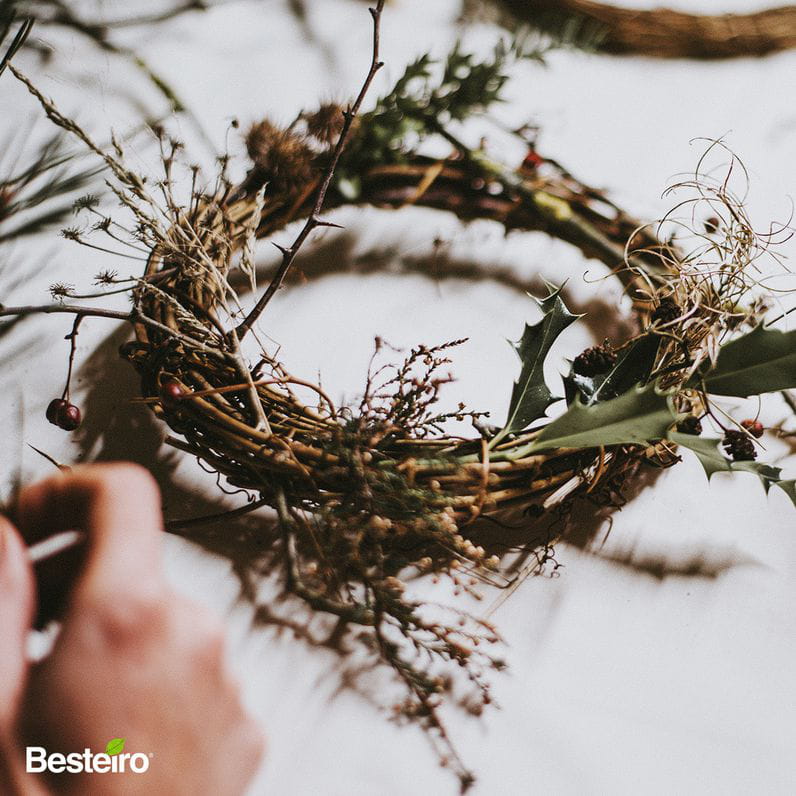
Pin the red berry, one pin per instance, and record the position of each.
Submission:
(68, 417)
(754, 427)
(171, 392)
(532, 160)
(55, 406)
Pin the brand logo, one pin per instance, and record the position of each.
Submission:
(114, 760)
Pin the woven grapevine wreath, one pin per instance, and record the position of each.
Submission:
(367, 496)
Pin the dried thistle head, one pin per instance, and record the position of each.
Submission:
(280, 156)
(326, 123)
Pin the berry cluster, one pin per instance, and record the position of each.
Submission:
(739, 445)
(754, 427)
(63, 414)
(690, 425)
(668, 310)
(593, 361)
(171, 392)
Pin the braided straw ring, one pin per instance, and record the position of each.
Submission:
(261, 437)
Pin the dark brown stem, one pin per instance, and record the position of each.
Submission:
(314, 220)
(96, 312)
(72, 337)
(21, 35)
(666, 33)
(209, 519)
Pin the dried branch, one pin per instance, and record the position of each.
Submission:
(314, 221)
(664, 32)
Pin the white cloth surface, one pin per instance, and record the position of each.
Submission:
(619, 681)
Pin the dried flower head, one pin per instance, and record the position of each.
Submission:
(326, 123)
(281, 157)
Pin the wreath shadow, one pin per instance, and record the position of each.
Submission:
(116, 428)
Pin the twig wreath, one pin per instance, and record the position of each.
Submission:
(368, 495)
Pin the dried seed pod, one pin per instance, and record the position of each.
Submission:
(668, 310)
(326, 124)
(599, 359)
(281, 158)
(739, 446)
(690, 425)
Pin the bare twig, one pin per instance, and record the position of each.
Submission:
(118, 315)
(666, 32)
(314, 221)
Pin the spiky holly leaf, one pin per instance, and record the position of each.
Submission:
(714, 461)
(764, 360)
(640, 416)
(531, 395)
(789, 488)
(707, 451)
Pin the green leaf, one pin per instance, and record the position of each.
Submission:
(714, 461)
(707, 451)
(762, 361)
(639, 416)
(789, 488)
(531, 395)
(115, 746)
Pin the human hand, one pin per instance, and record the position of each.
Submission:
(133, 660)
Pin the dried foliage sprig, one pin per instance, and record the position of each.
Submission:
(658, 32)
(369, 496)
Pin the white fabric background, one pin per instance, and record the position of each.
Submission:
(619, 682)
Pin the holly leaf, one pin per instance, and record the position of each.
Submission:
(714, 461)
(639, 416)
(115, 746)
(789, 488)
(531, 395)
(764, 360)
(707, 451)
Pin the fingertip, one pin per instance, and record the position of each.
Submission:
(118, 506)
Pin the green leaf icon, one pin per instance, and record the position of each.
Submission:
(115, 746)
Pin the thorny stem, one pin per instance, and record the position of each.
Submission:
(95, 312)
(261, 420)
(315, 220)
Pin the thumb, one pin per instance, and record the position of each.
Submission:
(17, 599)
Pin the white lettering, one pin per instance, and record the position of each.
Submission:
(56, 763)
(102, 763)
(143, 764)
(35, 759)
(74, 763)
